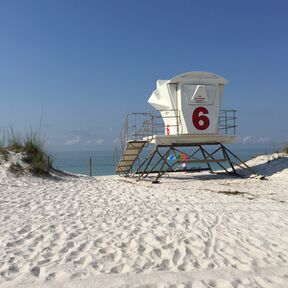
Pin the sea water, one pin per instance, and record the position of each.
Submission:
(103, 162)
(78, 162)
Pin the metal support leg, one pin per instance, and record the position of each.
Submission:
(211, 156)
(228, 158)
(204, 156)
(227, 150)
(161, 168)
(148, 163)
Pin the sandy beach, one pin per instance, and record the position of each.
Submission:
(191, 230)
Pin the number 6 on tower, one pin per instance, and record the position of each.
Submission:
(200, 122)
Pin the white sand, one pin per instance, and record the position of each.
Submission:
(191, 230)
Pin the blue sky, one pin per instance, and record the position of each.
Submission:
(76, 68)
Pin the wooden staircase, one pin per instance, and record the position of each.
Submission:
(129, 156)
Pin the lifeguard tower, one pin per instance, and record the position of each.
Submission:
(187, 134)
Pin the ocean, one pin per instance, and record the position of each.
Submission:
(103, 162)
(78, 162)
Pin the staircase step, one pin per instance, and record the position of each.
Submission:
(131, 153)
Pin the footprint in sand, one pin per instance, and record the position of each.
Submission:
(35, 271)
(94, 265)
(10, 244)
(19, 242)
(47, 255)
(157, 252)
(39, 238)
(80, 261)
(70, 244)
(117, 269)
(176, 256)
(82, 246)
(24, 230)
(168, 246)
(64, 250)
(98, 241)
(73, 255)
(106, 250)
(42, 262)
(76, 275)
(13, 269)
(108, 257)
(164, 265)
(161, 239)
(72, 235)
(51, 276)
(182, 267)
(141, 249)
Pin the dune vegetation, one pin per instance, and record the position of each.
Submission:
(30, 151)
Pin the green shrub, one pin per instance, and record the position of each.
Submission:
(35, 155)
(4, 153)
(32, 148)
(39, 166)
(3, 150)
(16, 168)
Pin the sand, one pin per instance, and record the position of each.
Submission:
(191, 230)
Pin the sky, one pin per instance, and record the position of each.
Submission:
(73, 69)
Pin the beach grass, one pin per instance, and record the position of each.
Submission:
(32, 148)
(14, 141)
(35, 154)
(16, 168)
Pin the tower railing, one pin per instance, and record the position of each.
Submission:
(227, 122)
(139, 126)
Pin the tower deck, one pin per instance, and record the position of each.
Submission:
(188, 139)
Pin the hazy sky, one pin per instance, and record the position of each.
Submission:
(76, 68)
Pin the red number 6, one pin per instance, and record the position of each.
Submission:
(201, 122)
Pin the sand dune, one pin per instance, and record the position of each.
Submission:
(191, 230)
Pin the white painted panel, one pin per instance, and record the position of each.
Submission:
(196, 95)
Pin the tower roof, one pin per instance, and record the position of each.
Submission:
(198, 77)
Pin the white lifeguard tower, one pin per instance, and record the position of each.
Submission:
(190, 120)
